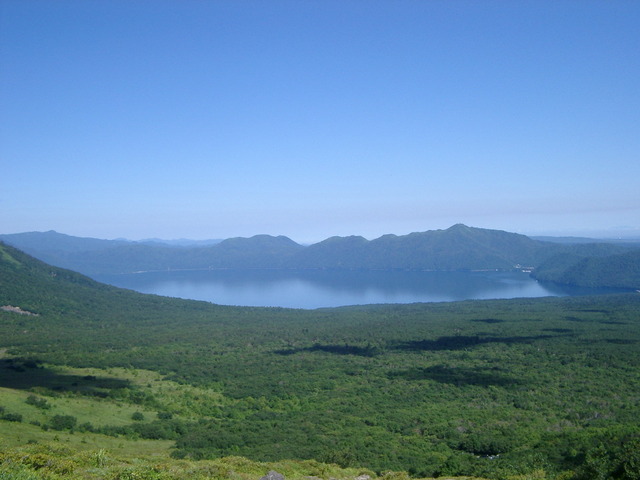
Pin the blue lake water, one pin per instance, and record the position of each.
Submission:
(315, 288)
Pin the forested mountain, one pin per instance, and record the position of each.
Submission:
(92, 256)
(51, 243)
(621, 270)
(457, 248)
(628, 241)
(509, 389)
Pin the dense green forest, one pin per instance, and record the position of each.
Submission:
(509, 389)
(620, 270)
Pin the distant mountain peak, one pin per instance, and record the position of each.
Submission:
(459, 226)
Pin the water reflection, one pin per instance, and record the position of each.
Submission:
(326, 288)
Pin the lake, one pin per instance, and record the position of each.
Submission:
(310, 289)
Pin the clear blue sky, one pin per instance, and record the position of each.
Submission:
(313, 118)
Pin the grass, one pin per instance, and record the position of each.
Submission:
(16, 435)
(98, 412)
(92, 409)
(77, 392)
(59, 462)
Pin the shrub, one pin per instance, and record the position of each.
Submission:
(12, 417)
(87, 427)
(137, 416)
(38, 402)
(63, 422)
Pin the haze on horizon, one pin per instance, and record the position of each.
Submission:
(311, 119)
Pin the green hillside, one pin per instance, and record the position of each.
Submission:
(513, 389)
(616, 271)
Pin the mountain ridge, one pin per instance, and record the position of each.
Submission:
(459, 247)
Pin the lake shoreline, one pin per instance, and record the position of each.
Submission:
(325, 288)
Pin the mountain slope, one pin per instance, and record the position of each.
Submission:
(259, 251)
(616, 271)
(334, 252)
(53, 241)
(93, 256)
(457, 248)
(37, 287)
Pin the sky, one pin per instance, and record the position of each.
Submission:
(313, 118)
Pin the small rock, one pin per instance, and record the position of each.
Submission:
(273, 475)
(363, 477)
